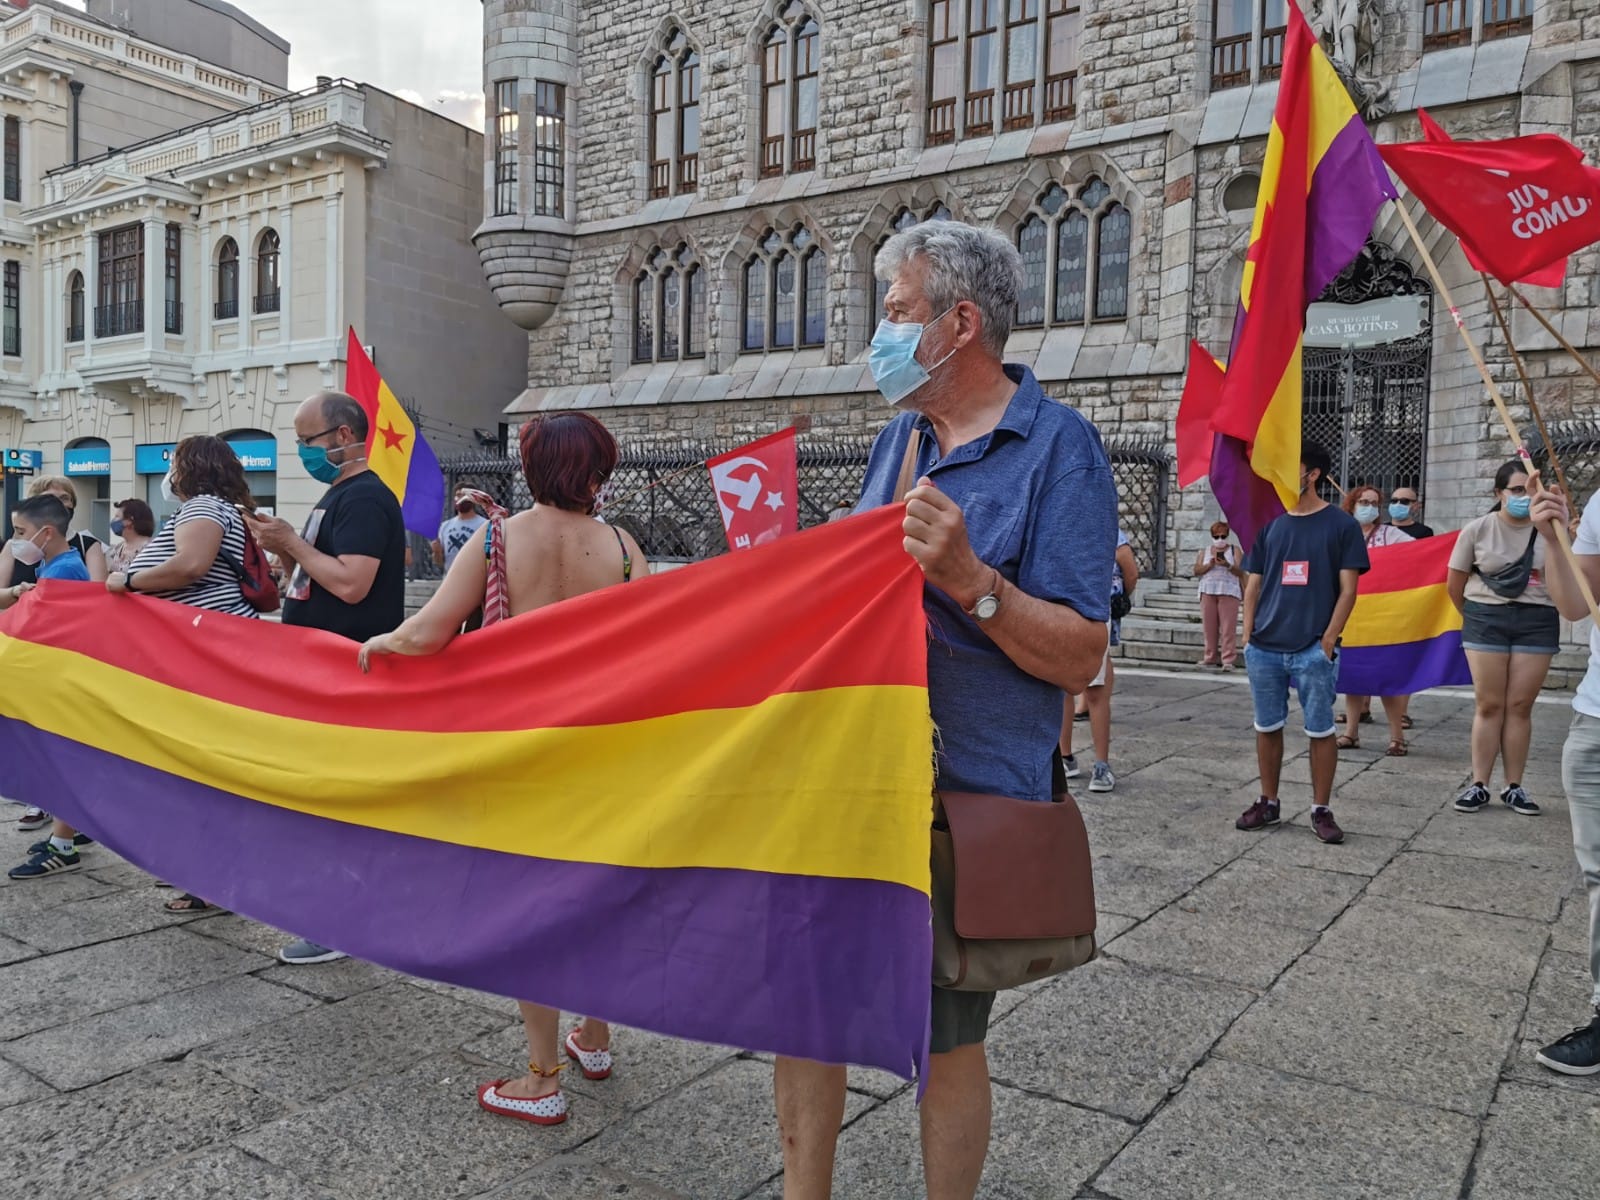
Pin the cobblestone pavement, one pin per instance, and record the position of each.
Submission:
(1270, 1017)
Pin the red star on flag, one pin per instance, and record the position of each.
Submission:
(392, 438)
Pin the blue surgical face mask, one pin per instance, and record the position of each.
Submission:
(1366, 513)
(319, 466)
(1518, 506)
(893, 358)
(117, 527)
(1399, 512)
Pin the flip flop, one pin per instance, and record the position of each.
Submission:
(188, 903)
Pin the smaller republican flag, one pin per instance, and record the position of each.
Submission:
(396, 450)
(1404, 634)
(758, 490)
(1202, 391)
(1519, 205)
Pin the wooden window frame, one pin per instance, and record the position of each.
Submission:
(1019, 106)
(774, 98)
(173, 278)
(269, 266)
(942, 112)
(120, 308)
(977, 107)
(803, 141)
(75, 307)
(1061, 87)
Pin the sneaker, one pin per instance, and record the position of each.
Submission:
(301, 952)
(33, 818)
(1517, 801)
(78, 839)
(1325, 827)
(1261, 815)
(1069, 764)
(48, 861)
(1576, 1054)
(1472, 799)
(1102, 780)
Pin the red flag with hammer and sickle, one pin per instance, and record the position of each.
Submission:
(758, 489)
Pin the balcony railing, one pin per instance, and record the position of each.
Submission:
(1446, 23)
(1018, 106)
(174, 316)
(980, 113)
(116, 320)
(1061, 96)
(267, 302)
(227, 310)
(75, 331)
(1230, 61)
(1272, 52)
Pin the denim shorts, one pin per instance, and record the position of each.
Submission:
(1316, 679)
(1510, 628)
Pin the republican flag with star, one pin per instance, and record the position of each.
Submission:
(396, 450)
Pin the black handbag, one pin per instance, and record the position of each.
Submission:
(1511, 581)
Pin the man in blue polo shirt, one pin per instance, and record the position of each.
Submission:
(1013, 519)
(1300, 586)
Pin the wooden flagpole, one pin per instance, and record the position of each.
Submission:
(1527, 385)
(1562, 538)
(1556, 333)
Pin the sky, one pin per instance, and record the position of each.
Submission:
(428, 51)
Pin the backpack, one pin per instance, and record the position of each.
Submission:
(259, 588)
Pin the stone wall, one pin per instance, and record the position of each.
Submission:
(1147, 122)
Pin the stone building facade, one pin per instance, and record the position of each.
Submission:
(684, 207)
(185, 246)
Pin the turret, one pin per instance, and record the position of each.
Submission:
(530, 75)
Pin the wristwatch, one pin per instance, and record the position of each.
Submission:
(987, 604)
(127, 581)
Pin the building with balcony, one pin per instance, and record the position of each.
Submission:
(195, 270)
(683, 209)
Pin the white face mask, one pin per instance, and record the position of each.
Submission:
(26, 551)
(167, 493)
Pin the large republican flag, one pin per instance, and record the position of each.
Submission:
(1322, 183)
(696, 803)
(1404, 634)
(396, 450)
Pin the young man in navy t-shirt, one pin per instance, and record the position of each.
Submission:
(1300, 585)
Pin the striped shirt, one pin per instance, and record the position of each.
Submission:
(218, 589)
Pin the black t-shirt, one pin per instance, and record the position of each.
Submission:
(1299, 559)
(358, 516)
(78, 541)
(1417, 530)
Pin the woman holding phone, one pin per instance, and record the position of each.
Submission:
(1218, 570)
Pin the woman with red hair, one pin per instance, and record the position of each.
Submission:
(515, 564)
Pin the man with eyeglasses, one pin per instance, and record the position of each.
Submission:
(1404, 504)
(349, 563)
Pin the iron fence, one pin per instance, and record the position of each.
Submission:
(1577, 445)
(662, 494)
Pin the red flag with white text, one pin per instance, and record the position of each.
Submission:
(1519, 205)
(1550, 276)
(758, 490)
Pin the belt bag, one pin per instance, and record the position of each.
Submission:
(1012, 893)
(1511, 581)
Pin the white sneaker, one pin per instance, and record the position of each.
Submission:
(1102, 780)
(1069, 764)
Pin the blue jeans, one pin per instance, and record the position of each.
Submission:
(1271, 674)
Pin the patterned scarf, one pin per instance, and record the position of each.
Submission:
(496, 598)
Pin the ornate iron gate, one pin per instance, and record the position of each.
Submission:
(1368, 407)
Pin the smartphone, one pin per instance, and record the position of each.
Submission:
(249, 512)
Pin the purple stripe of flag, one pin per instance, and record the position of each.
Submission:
(423, 505)
(1348, 186)
(1404, 668)
(831, 969)
(1248, 500)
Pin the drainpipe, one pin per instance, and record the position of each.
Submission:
(77, 100)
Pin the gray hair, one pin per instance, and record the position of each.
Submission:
(964, 262)
(341, 409)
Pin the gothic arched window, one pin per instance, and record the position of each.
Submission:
(669, 307)
(785, 293)
(790, 62)
(1076, 254)
(675, 117)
